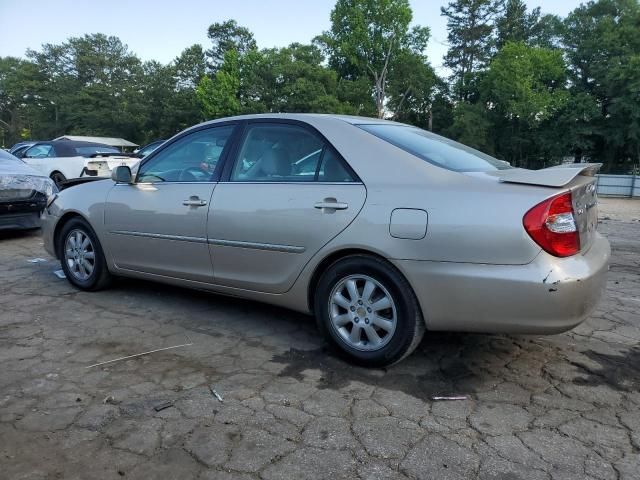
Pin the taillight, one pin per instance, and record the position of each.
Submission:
(552, 225)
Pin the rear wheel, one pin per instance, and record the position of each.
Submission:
(58, 178)
(81, 256)
(367, 309)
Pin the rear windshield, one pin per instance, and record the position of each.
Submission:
(92, 150)
(436, 149)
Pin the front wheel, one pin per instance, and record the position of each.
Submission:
(58, 178)
(81, 256)
(367, 309)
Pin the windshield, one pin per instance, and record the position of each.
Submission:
(436, 149)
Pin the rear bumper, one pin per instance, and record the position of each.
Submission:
(548, 295)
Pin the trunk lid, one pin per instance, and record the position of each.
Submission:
(585, 209)
(579, 178)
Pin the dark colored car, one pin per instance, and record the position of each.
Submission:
(24, 193)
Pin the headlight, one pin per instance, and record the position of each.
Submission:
(23, 186)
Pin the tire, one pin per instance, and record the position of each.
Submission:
(74, 263)
(391, 311)
(58, 178)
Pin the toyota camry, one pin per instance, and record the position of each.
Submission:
(381, 230)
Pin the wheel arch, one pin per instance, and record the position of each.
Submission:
(68, 216)
(333, 257)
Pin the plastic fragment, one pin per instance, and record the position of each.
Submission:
(216, 394)
(452, 397)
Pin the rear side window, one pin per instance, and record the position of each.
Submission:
(88, 151)
(435, 149)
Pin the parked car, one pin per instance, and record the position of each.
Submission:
(397, 231)
(19, 151)
(21, 146)
(24, 193)
(148, 148)
(65, 159)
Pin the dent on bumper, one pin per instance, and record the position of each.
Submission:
(48, 222)
(548, 295)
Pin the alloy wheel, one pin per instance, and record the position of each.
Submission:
(362, 312)
(80, 255)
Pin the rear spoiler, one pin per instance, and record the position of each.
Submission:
(557, 176)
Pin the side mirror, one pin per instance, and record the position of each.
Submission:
(121, 174)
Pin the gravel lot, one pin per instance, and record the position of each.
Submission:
(565, 406)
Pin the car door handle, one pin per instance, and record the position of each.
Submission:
(332, 205)
(194, 202)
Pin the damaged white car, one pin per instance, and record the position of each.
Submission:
(24, 193)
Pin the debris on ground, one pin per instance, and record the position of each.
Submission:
(60, 274)
(216, 394)
(439, 398)
(139, 354)
(37, 260)
(163, 406)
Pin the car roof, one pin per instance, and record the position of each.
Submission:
(67, 147)
(306, 117)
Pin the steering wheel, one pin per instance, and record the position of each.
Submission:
(186, 175)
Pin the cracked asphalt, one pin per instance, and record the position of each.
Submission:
(557, 407)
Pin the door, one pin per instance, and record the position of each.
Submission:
(158, 224)
(286, 195)
(40, 156)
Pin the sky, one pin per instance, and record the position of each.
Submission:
(160, 30)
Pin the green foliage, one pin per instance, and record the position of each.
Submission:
(227, 36)
(525, 83)
(219, 96)
(471, 126)
(470, 25)
(528, 88)
(371, 38)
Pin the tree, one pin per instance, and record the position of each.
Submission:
(412, 89)
(190, 66)
(602, 41)
(470, 41)
(366, 39)
(19, 105)
(471, 126)
(523, 88)
(219, 96)
(227, 36)
(516, 24)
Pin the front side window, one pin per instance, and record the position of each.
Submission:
(192, 158)
(278, 153)
(436, 149)
(40, 151)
